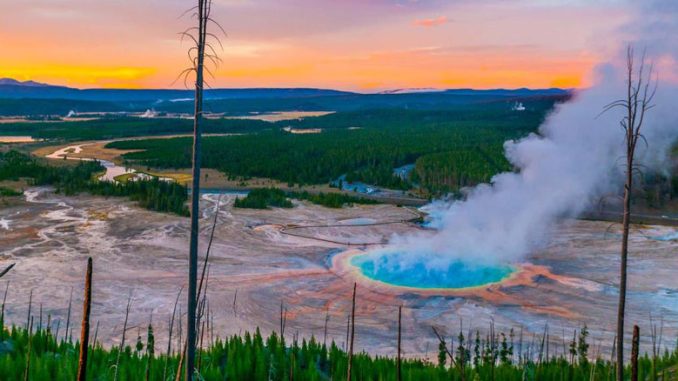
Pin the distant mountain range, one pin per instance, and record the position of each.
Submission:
(33, 98)
(14, 82)
(512, 92)
(10, 88)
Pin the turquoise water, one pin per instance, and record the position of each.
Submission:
(668, 237)
(382, 267)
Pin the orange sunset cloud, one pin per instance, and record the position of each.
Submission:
(352, 45)
(431, 22)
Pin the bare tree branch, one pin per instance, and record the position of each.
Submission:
(6, 270)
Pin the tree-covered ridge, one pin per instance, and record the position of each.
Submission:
(112, 126)
(152, 194)
(53, 101)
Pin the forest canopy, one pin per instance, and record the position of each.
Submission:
(450, 149)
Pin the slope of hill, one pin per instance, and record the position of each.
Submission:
(33, 99)
(10, 88)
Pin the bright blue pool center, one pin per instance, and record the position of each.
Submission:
(384, 267)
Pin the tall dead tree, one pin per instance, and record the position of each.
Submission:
(197, 53)
(28, 317)
(283, 319)
(121, 348)
(199, 62)
(399, 376)
(2, 309)
(640, 91)
(169, 335)
(84, 332)
(27, 372)
(327, 320)
(634, 353)
(350, 347)
(68, 315)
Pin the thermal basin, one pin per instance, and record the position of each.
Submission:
(394, 268)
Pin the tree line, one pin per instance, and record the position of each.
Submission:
(115, 127)
(152, 194)
(368, 154)
(265, 198)
(44, 349)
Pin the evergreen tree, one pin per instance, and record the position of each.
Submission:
(573, 347)
(150, 342)
(504, 352)
(476, 351)
(583, 346)
(442, 354)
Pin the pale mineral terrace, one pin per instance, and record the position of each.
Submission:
(268, 257)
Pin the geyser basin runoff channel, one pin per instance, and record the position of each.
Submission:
(391, 267)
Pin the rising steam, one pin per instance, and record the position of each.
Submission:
(562, 170)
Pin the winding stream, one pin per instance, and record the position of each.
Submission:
(112, 170)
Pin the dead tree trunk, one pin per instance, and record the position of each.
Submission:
(122, 341)
(399, 376)
(195, 198)
(84, 331)
(350, 348)
(203, 278)
(348, 331)
(182, 357)
(639, 94)
(283, 320)
(453, 360)
(634, 353)
(170, 330)
(96, 335)
(327, 320)
(2, 310)
(68, 315)
(27, 373)
(6, 270)
(198, 66)
(28, 316)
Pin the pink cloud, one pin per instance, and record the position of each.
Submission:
(431, 22)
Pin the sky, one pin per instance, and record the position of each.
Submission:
(358, 45)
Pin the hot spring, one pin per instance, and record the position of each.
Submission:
(386, 267)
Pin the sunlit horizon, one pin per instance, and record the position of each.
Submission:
(361, 46)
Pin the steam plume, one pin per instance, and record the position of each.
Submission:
(562, 170)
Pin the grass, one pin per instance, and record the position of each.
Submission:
(179, 177)
(125, 177)
(8, 192)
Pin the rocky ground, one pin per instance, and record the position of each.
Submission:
(262, 258)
